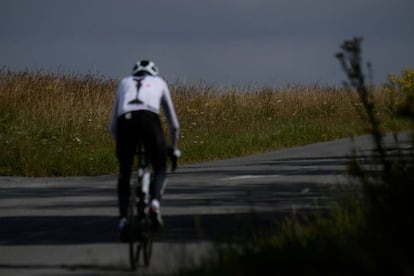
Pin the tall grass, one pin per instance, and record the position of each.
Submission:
(57, 124)
(54, 124)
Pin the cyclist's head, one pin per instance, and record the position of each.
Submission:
(144, 67)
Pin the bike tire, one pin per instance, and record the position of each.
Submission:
(147, 248)
(134, 244)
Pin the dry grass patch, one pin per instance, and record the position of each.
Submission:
(55, 124)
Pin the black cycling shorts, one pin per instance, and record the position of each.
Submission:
(140, 127)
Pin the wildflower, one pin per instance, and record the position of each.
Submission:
(49, 88)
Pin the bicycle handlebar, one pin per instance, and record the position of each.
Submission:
(173, 154)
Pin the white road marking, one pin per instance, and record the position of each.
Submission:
(250, 177)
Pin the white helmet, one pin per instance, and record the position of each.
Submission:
(145, 66)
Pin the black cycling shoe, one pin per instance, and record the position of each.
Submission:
(156, 219)
(123, 230)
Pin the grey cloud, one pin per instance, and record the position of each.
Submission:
(239, 41)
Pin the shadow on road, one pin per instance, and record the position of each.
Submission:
(53, 230)
(93, 267)
(87, 229)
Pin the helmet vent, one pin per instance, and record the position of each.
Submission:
(144, 63)
(145, 67)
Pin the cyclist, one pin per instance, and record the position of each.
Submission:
(135, 118)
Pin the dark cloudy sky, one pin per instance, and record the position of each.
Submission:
(241, 42)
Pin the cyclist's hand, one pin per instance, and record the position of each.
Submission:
(174, 154)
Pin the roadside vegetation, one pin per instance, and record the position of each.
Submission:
(55, 124)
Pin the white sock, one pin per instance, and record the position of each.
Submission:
(155, 204)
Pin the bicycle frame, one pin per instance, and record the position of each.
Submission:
(143, 180)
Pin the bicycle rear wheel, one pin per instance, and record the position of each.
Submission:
(134, 243)
(147, 242)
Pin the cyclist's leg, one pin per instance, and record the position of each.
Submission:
(157, 149)
(125, 150)
(158, 157)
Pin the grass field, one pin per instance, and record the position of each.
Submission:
(57, 125)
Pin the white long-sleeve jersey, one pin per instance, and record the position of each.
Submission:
(145, 93)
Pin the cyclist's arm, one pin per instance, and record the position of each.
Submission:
(114, 118)
(171, 116)
(113, 123)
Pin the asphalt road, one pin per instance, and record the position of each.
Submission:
(68, 226)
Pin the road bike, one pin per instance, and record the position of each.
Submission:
(140, 229)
